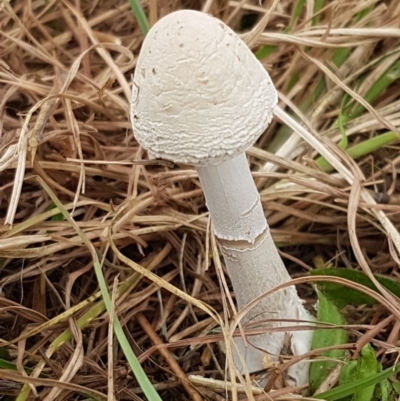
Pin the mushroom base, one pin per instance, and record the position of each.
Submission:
(265, 271)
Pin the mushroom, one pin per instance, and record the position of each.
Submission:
(200, 97)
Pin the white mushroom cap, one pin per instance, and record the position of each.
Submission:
(199, 94)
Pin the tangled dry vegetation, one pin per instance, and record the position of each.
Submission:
(66, 146)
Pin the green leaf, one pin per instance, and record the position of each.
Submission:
(391, 393)
(343, 296)
(350, 388)
(56, 217)
(384, 391)
(391, 75)
(347, 375)
(396, 386)
(365, 366)
(320, 369)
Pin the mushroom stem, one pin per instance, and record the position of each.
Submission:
(253, 263)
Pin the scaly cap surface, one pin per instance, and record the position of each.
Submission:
(199, 95)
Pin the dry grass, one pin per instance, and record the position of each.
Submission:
(65, 70)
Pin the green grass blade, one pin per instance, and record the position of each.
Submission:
(295, 14)
(391, 75)
(363, 13)
(266, 50)
(140, 16)
(4, 364)
(362, 149)
(317, 7)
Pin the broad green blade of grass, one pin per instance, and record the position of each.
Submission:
(342, 296)
(320, 368)
(345, 390)
(362, 149)
(140, 16)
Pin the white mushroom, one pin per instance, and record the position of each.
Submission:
(201, 97)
